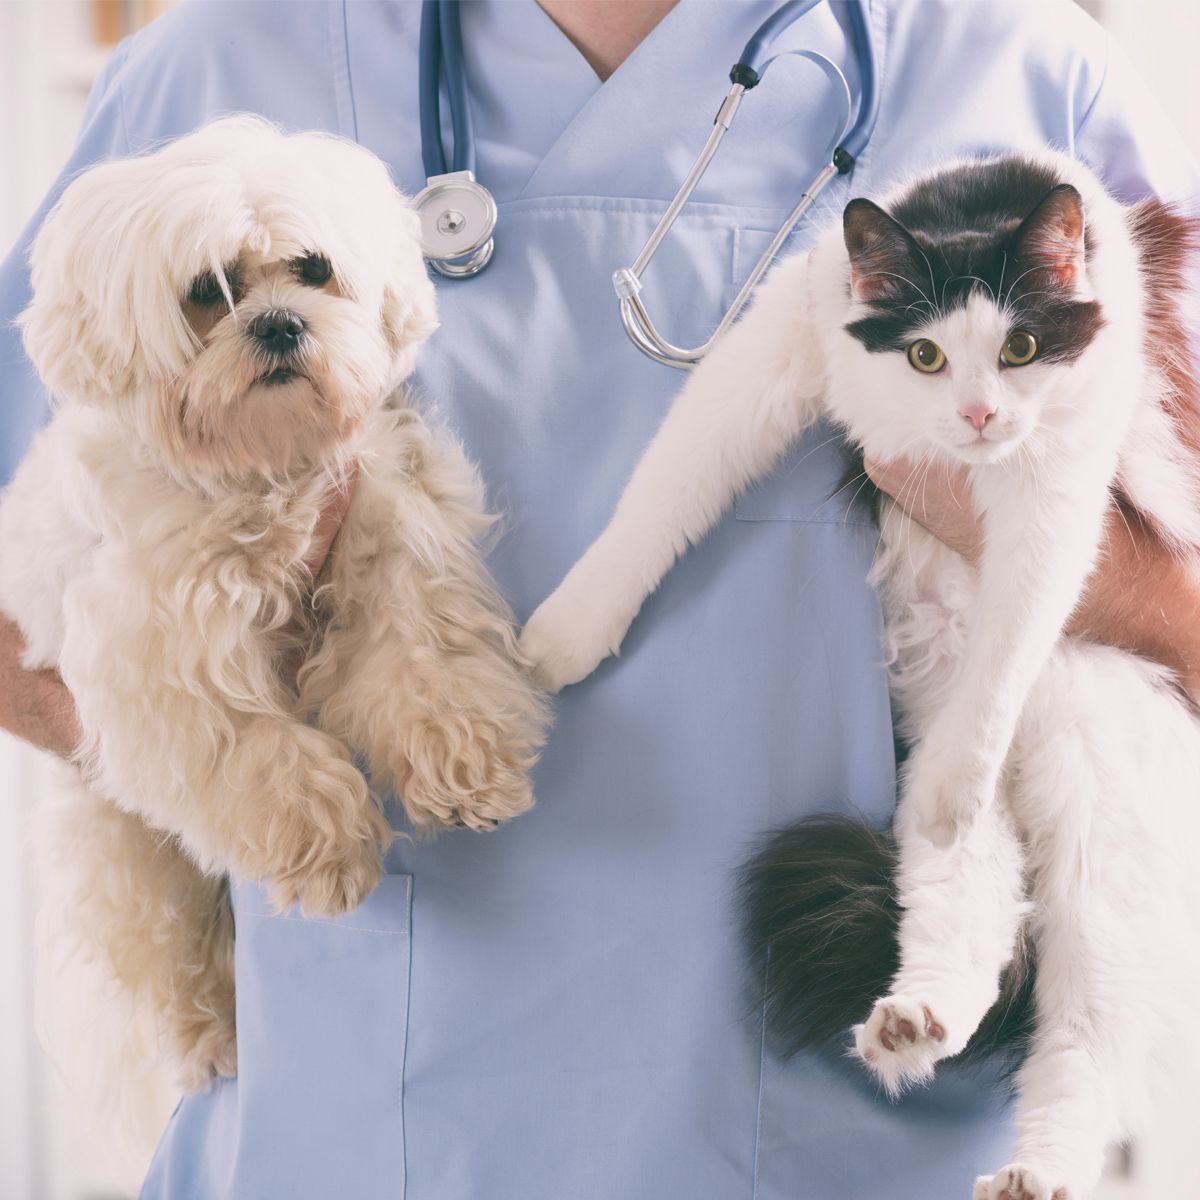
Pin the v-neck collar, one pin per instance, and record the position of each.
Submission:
(546, 125)
(527, 82)
(632, 72)
(537, 101)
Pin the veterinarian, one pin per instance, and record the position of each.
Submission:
(556, 1010)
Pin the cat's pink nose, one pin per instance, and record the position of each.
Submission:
(977, 414)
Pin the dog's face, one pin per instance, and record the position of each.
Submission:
(243, 296)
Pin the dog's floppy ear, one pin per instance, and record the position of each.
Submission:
(104, 312)
(409, 300)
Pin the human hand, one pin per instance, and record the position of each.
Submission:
(935, 495)
(35, 705)
(1141, 596)
(324, 534)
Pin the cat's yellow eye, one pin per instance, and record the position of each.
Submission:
(926, 356)
(1020, 348)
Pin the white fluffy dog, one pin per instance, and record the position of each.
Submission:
(220, 324)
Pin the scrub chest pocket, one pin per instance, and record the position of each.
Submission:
(810, 484)
(322, 1017)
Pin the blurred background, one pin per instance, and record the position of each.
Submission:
(50, 52)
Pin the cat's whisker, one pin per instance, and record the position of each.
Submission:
(929, 268)
(909, 488)
(1137, 552)
(924, 491)
(977, 279)
(1028, 457)
(911, 283)
(954, 492)
(834, 437)
(863, 479)
(1018, 279)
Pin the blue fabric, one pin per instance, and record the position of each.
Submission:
(557, 1010)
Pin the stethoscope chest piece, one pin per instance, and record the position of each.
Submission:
(458, 218)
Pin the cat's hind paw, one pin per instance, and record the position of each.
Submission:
(901, 1042)
(1016, 1182)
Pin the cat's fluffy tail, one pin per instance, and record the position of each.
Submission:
(820, 919)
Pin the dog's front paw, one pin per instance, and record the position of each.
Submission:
(335, 880)
(1016, 1182)
(324, 841)
(462, 771)
(573, 632)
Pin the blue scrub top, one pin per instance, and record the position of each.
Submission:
(557, 1011)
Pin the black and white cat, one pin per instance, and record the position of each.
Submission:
(1007, 315)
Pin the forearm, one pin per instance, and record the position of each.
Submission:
(34, 705)
(1143, 598)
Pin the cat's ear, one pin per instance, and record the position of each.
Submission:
(883, 255)
(1050, 241)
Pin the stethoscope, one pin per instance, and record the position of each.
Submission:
(458, 214)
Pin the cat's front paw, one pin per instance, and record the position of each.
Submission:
(1016, 1182)
(572, 633)
(900, 1042)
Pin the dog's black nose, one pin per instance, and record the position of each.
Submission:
(278, 330)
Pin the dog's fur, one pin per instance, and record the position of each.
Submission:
(153, 549)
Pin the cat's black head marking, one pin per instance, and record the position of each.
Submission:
(1008, 229)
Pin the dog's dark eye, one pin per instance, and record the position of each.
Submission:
(313, 269)
(206, 292)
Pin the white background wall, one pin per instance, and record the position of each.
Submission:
(46, 63)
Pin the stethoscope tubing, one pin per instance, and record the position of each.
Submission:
(456, 87)
(429, 53)
(441, 47)
(855, 142)
(760, 41)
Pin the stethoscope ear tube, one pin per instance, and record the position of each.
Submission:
(855, 142)
(844, 150)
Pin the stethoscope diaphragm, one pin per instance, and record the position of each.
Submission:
(458, 218)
